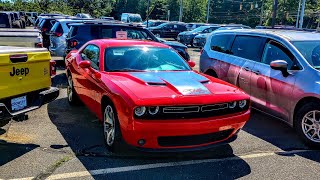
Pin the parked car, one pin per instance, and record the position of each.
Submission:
(81, 33)
(20, 37)
(19, 19)
(200, 40)
(58, 35)
(153, 23)
(107, 18)
(131, 18)
(148, 97)
(31, 18)
(83, 15)
(45, 27)
(192, 26)
(168, 30)
(26, 81)
(5, 20)
(279, 69)
(187, 37)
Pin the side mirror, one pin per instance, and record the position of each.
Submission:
(191, 63)
(280, 65)
(85, 64)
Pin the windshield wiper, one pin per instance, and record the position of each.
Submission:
(125, 70)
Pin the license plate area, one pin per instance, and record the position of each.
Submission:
(18, 103)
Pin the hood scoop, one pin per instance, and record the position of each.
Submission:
(156, 84)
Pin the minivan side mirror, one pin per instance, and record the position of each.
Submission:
(280, 65)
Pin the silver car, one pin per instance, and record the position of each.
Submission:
(58, 34)
(279, 69)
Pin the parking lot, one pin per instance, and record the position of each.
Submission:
(59, 141)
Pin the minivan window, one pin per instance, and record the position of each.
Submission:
(248, 47)
(275, 51)
(221, 43)
(310, 50)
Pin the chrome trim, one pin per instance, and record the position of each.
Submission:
(179, 109)
(226, 105)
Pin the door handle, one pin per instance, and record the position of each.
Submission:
(246, 68)
(257, 72)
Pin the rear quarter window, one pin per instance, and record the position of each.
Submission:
(221, 43)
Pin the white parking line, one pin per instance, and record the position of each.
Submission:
(161, 165)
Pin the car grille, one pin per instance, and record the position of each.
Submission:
(192, 112)
(167, 141)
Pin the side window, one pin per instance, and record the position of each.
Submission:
(91, 53)
(275, 51)
(168, 26)
(221, 43)
(175, 26)
(248, 47)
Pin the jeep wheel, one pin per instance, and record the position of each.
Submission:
(111, 129)
(73, 98)
(307, 124)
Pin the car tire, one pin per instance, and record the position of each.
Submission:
(72, 96)
(4, 122)
(307, 124)
(111, 129)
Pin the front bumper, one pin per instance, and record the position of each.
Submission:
(36, 101)
(184, 133)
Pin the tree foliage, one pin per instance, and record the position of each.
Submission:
(221, 11)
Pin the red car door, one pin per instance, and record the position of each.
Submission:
(92, 76)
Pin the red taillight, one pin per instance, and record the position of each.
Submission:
(73, 43)
(201, 51)
(58, 34)
(52, 68)
(39, 45)
(44, 29)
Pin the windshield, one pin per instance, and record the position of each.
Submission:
(143, 59)
(135, 18)
(310, 50)
(199, 29)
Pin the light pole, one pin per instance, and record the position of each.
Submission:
(260, 23)
(274, 13)
(208, 11)
(180, 15)
(302, 13)
(297, 22)
(148, 13)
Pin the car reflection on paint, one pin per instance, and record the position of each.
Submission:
(148, 97)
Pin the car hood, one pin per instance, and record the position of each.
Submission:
(171, 84)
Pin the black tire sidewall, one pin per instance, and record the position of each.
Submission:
(75, 99)
(298, 120)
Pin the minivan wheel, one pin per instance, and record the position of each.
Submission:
(307, 124)
(73, 98)
(111, 129)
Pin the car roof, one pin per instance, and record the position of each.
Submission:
(290, 35)
(126, 43)
(75, 20)
(107, 23)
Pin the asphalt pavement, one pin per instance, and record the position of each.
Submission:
(59, 141)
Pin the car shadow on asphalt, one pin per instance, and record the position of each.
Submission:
(83, 134)
(277, 133)
(11, 151)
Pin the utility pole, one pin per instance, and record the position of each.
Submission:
(274, 13)
(208, 11)
(180, 15)
(261, 18)
(298, 15)
(302, 13)
(148, 11)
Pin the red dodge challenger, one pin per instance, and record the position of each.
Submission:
(147, 96)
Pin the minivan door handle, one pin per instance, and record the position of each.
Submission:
(246, 68)
(257, 72)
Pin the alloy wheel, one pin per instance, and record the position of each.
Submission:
(311, 125)
(109, 125)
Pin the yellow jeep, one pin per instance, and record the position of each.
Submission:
(25, 81)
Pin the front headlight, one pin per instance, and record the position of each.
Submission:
(232, 105)
(153, 110)
(140, 111)
(242, 103)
